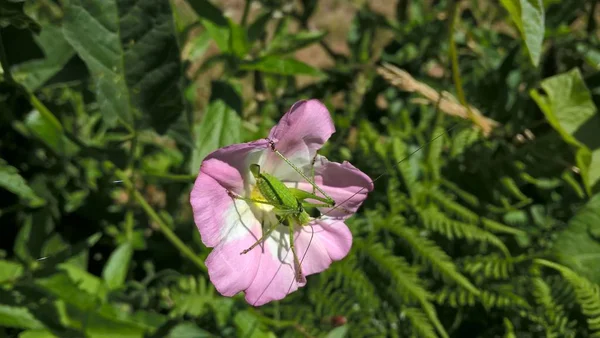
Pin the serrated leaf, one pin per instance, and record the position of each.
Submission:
(33, 74)
(281, 66)
(19, 317)
(569, 108)
(219, 127)
(528, 16)
(117, 266)
(578, 246)
(131, 50)
(13, 182)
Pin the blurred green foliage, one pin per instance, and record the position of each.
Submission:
(108, 107)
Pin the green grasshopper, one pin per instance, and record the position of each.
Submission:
(289, 204)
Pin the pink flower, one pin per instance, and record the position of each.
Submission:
(231, 225)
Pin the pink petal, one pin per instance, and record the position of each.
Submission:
(299, 134)
(347, 185)
(275, 276)
(225, 169)
(317, 247)
(229, 270)
(230, 166)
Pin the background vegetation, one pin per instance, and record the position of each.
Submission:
(478, 226)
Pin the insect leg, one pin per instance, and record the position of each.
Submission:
(263, 238)
(253, 200)
(297, 266)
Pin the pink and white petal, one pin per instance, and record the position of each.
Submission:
(219, 217)
(229, 270)
(230, 166)
(275, 277)
(347, 185)
(326, 241)
(299, 134)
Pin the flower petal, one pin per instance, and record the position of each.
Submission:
(347, 185)
(223, 170)
(229, 270)
(275, 277)
(299, 134)
(317, 246)
(230, 166)
(325, 241)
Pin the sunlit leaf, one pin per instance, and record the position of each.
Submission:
(220, 126)
(131, 50)
(529, 17)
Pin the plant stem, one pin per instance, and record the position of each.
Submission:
(246, 12)
(460, 94)
(171, 236)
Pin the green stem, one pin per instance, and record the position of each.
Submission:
(454, 59)
(171, 236)
(45, 112)
(246, 12)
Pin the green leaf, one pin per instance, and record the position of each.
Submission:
(33, 74)
(338, 332)
(188, 330)
(289, 43)
(13, 182)
(280, 66)
(12, 14)
(249, 326)
(578, 246)
(131, 50)
(219, 127)
(20, 317)
(238, 40)
(41, 124)
(528, 16)
(117, 266)
(213, 21)
(36, 334)
(10, 270)
(569, 108)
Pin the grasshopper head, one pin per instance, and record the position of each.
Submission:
(255, 170)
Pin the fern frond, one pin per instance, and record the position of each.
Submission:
(489, 266)
(431, 254)
(419, 322)
(586, 293)
(436, 221)
(407, 174)
(463, 139)
(510, 329)
(463, 213)
(434, 151)
(556, 322)
(489, 299)
(403, 280)
(455, 297)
